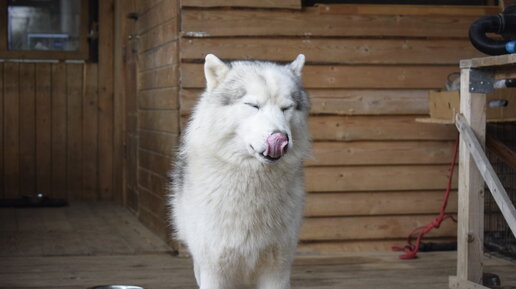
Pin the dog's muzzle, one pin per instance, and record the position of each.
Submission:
(277, 144)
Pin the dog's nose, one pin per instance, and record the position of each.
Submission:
(276, 145)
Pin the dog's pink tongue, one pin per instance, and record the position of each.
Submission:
(276, 145)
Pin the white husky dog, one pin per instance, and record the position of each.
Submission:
(238, 190)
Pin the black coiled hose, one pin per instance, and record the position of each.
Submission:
(503, 24)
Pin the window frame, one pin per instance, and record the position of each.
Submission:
(81, 54)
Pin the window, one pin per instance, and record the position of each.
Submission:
(44, 29)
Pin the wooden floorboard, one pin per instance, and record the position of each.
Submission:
(80, 229)
(91, 244)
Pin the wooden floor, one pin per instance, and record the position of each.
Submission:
(93, 244)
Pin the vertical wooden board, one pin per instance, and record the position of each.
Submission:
(11, 130)
(90, 132)
(2, 192)
(27, 129)
(43, 128)
(105, 101)
(123, 55)
(59, 130)
(74, 79)
(470, 238)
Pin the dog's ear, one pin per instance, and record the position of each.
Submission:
(297, 65)
(214, 70)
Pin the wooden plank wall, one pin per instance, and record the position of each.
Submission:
(57, 125)
(157, 108)
(375, 172)
(49, 127)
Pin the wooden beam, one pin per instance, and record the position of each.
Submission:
(43, 74)
(106, 149)
(59, 130)
(489, 175)
(470, 231)
(500, 60)
(456, 283)
(504, 152)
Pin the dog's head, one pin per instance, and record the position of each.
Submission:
(261, 108)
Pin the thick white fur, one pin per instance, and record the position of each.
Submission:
(238, 213)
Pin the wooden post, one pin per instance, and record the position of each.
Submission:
(471, 188)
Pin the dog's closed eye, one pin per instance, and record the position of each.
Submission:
(252, 105)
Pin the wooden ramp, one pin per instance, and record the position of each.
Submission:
(100, 243)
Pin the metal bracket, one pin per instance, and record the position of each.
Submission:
(481, 81)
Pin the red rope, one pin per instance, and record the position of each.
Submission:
(411, 249)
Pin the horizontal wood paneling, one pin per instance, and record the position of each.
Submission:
(380, 152)
(160, 120)
(332, 50)
(157, 109)
(158, 78)
(159, 57)
(291, 4)
(376, 178)
(377, 203)
(158, 35)
(368, 102)
(357, 128)
(156, 15)
(426, 10)
(160, 98)
(374, 227)
(153, 182)
(374, 172)
(161, 142)
(346, 76)
(347, 101)
(157, 204)
(155, 162)
(331, 247)
(310, 22)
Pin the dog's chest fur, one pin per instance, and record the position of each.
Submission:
(243, 205)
